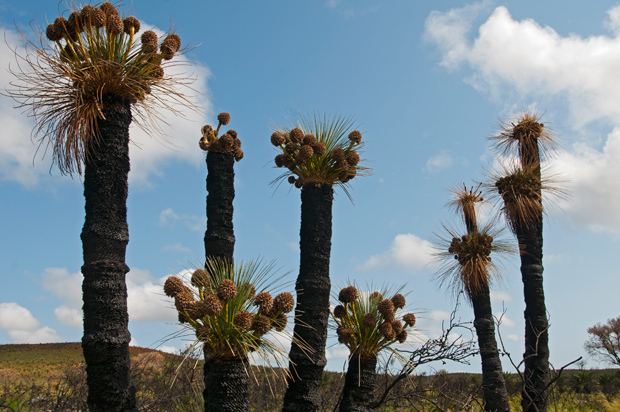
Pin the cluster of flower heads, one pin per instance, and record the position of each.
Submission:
(471, 246)
(369, 322)
(226, 312)
(311, 159)
(521, 190)
(96, 37)
(227, 143)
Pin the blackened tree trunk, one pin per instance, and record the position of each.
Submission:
(228, 384)
(220, 236)
(104, 239)
(493, 383)
(312, 310)
(536, 356)
(359, 384)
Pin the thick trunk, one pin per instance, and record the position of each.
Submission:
(493, 383)
(220, 237)
(312, 311)
(228, 383)
(536, 356)
(359, 384)
(104, 240)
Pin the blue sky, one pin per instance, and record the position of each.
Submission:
(426, 82)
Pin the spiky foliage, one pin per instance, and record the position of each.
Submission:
(466, 259)
(526, 137)
(93, 55)
(320, 150)
(227, 143)
(367, 324)
(227, 316)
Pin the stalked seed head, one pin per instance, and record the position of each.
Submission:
(292, 179)
(339, 155)
(386, 309)
(114, 24)
(297, 135)
(226, 290)
(243, 320)
(264, 301)
(397, 326)
(402, 336)
(277, 138)
(174, 41)
(279, 160)
(261, 324)
(74, 23)
(299, 183)
(130, 23)
(109, 9)
(348, 294)
(149, 40)
(344, 334)
(283, 303)
(200, 278)
(99, 18)
(212, 305)
(173, 286)
(227, 142)
(304, 154)
(53, 33)
(376, 296)
(279, 322)
(370, 320)
(87, 15)
(166, 51)
(399, 301)
(319, 148)
(409, 319)
(238, 154)
(387, 330)
(204, 143)
(310, 139)
(355, 137)
(339, 312)
(224, 118)
(352, 157)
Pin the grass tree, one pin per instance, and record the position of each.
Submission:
(317, 155)
(368, 324)
(467, 265)
(83, 88)
(520, 189)
(231, 310)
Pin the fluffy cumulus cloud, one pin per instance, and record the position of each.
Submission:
(407, 250)
(21, 162)
(145, 297)
(521, 61)
(22, 327)
(440, 161)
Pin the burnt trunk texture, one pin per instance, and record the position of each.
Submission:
(493, 383)
(220, 236)
(359, 384)
(536, 356)
(104, 240)
(228, 384)
(312, 310)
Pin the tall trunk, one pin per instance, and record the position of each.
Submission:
(359, 384)
(536, 356)
(219, 237)
(493, 383)
(312, 310)
(104, 240)
(228, 383)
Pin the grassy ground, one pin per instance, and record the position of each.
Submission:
(51, 377)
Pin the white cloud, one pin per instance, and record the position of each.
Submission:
(439, 315)
(177, 139)
(169, 217)
(64, 285)
(519, 61)
(500, 296)
(177, 247)
(68, 316)
(440, 161)
(407, 250)
(22, 327)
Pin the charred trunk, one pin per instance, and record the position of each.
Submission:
(536, 356)
(220, 237)
(228, 382)
(359, 384)
(104, 240)
(312, 310)
(493, 383)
